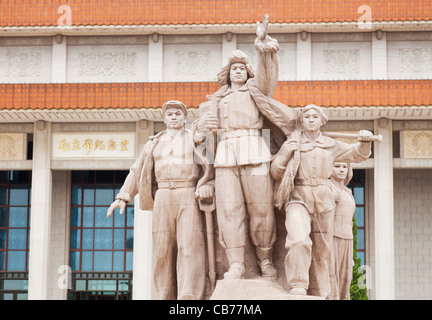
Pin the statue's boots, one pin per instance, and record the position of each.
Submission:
(236, 263)
(265, 262)
(298, 291)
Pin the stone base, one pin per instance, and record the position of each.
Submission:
(254, 289)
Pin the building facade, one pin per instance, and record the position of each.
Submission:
(81, 90)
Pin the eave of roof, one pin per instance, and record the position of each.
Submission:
(30, 13)
(274, 28)
(131, 101)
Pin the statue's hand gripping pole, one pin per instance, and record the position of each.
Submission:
(208, 208)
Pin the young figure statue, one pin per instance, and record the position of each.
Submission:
(165, 176)
(243, 185)
(308, 199)
(342, 252)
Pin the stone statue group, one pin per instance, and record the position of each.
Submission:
(243, 158)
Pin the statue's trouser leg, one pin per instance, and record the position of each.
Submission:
(191, 276)
(179, 245)
(164, 234)
(230, 208)
(236, 186)
(298, 245)
(231, 216)
(322, 239)
(334, 267)
(258, 190)
(343, 249)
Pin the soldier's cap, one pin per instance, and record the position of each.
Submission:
(237, 56)
(318, 109)
(174, 104)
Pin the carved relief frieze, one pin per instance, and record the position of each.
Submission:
(342, 60)
(23, 64)
(12, 146)
(415, 60)
(192, 62)
(107, 63)
(417, 144)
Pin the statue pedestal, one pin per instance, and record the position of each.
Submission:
(254, 289)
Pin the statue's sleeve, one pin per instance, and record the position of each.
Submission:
(277, 171)
(267, 72)
(345, 152)
(198, 135)
(130, 187)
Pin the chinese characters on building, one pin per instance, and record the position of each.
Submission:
(89, 144)
(99, 145)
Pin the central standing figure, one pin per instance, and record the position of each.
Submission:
(243, 185)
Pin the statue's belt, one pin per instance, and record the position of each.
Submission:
(174, 184)
(238, 133)
(310, 182)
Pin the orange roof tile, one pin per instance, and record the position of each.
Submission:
(153, 95)
(184, 12)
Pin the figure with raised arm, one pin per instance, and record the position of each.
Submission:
(238, 112)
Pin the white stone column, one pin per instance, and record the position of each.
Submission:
(142, 254)
(379, 55)
(155, 58)
(40, 227)
(384, 274)
(229, 44)
(59, 59)
(143, 285)
(59, 271)
(304, 56)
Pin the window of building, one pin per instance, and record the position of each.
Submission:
(99, 246)
(101, 286)
(13, 285)
(357, 186)
(99, 243)
(15, 192)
